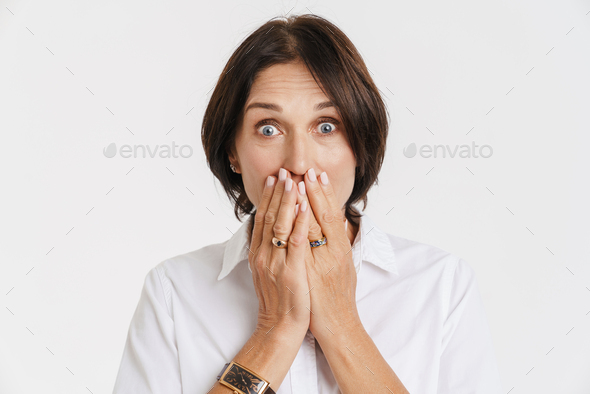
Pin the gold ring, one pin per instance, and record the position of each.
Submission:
(279, 243)
(318, 242)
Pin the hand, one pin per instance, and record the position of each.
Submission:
(279, 275)
(330, 268)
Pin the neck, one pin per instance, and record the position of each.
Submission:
(351, 231)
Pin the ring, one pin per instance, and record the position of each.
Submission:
(279, 243)
(319, 242)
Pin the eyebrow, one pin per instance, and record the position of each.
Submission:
(278, 108)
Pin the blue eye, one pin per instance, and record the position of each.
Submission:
(328, 129)
(267, 130)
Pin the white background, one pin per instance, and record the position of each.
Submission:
(80, 231)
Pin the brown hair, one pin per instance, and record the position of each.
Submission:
(340, 72)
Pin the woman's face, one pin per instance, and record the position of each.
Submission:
(282, 128)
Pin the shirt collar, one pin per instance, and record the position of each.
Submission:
(371, 243)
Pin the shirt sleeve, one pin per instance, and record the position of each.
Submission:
(467, 363)
(150, 359)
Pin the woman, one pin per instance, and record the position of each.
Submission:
(296, 131)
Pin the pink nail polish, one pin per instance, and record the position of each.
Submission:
(302, 188)
(311, 175)
(270, 181)
(324, 178)
(304, 206)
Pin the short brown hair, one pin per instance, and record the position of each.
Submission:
(340, 72)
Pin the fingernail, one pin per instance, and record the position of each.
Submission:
(302, 188)
(282, 174)
(288, 184)
(324, 178)
(311, 175)
(296, 209)
(270, 181)
(304, 206)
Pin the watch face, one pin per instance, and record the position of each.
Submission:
(243, 380)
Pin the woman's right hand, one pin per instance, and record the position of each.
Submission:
(280, 277)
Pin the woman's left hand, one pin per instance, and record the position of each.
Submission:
(330, 269)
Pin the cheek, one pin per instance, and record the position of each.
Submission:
(254, 185)
(344, 189)
(255, 170)
(342, 176)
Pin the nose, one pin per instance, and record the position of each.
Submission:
(299, 155)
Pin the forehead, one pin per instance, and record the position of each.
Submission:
(283, 80)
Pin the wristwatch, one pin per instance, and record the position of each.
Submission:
(244, 381)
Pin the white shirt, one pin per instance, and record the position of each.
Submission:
(420, 305)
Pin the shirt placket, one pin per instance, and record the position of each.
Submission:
(304, 376)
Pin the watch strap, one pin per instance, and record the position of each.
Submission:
(267, 390)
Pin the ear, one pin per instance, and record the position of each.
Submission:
(232, 159)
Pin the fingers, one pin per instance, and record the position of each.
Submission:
(284, 224)
(287, 215)
(272, 212)
(324, 203)
(298, 242)
(266, 252)
(315, 230)
(267, 193)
